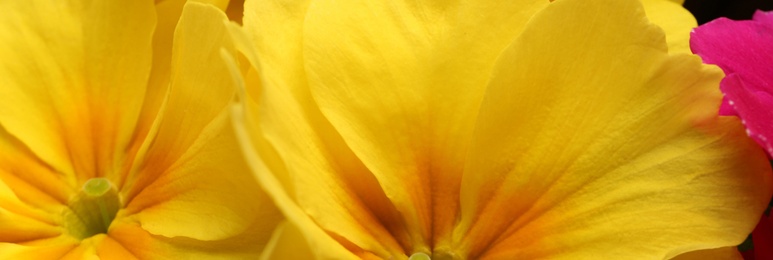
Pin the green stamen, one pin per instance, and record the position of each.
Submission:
(419, 256)
(92, 209)
(96, 187)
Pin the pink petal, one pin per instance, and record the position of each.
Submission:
(744, 51)
(763, 17)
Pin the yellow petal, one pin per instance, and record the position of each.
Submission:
(55, 248)
(73, 83)
(200, 89)
(87, 249)
(722, 253)
(109, 248)
(338, 191)
(593, 142)
(402, 82)
(287, 242)
(31, 199)
(144, 245)
(273, 176)
(204, 196)
(194, 181)
(98, 247)
(168, 13)
(676, 21)
(28, 179)
(22, 223)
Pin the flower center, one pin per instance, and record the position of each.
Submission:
(92, 209)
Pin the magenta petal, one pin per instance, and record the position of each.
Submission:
(753, 106)
(763, 17)
(744, 51)
(726, 109)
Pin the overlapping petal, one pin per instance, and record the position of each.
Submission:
(363, 122)
(620, 138)
(280, 64)
(403, 89)
(744, 51)
(193, 172)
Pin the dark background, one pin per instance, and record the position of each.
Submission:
(707, 10)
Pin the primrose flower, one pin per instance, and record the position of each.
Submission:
(491, 130)
(107, 152)
(744, 51)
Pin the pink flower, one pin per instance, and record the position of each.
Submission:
(744, 51)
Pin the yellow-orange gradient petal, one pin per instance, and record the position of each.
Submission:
(593, 142)
(194, 183)
(402, 82)
(73, 84)
(168, 13)
(144, 245)
(288, 242)
(722, 253)
(274, 178)
(13, 251)
(326, 173)
(21, 223)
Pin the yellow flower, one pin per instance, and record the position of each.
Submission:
(516, 129)
(112, 146)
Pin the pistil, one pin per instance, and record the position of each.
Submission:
(92, 209)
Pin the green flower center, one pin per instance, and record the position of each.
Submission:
(92, 209)
(419, 256)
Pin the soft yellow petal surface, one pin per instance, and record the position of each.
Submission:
(305, 140)
(21, 223)
(272, 174)
(262, 157)
(199, 91)
(402, 82)
(31, 194)
(73, 84)
(109, 248)
(195, 183)
(54, 248)
(676, 21)
(144, 245)
(168, 13)
(377, 80)
(98, 247)
(30, 180)
(592, 136)
(209, 194)
(288, 242)
(723, 253)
